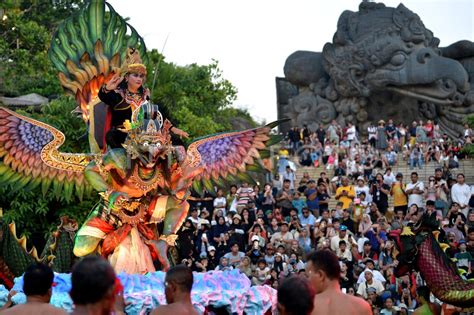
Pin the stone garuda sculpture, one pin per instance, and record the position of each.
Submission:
(382, 63)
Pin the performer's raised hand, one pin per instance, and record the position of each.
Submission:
(114, 82)
(180, 132)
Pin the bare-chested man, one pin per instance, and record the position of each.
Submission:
(37, 283)
(178, 285)
(94, 289)
(323, 271)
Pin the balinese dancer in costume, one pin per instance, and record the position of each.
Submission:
(141, 186)
(124, 93)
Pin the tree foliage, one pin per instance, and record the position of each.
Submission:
(26, 29)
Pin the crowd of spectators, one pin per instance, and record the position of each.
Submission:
(266, 231)
(338, 147)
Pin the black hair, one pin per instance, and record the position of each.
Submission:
(296, 295)
(124, 85)
(423, 292)
(414, 173)
(37, 280)
(91, 279)
(182, 276)
(342, 242)
(326, 261)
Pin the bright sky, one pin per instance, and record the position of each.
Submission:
(251, 39)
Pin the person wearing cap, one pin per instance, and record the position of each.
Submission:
(283, 237)
(370, 265)
(397, 191)
(213, 260)
(342, 235)
(369, 282)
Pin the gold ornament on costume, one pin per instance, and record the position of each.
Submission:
(133, 63)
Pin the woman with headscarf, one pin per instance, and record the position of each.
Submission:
(219, 230)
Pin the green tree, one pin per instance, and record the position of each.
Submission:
(26, 29)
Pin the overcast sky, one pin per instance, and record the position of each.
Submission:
(251, 39)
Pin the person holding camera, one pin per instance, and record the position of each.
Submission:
(380, 192)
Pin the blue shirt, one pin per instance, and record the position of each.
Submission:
(312, 204)
(310, 220)
(299, 205)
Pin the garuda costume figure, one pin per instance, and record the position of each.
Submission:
(144, 183)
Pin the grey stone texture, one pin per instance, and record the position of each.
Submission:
(383, 63)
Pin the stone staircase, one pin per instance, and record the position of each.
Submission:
(465, 166)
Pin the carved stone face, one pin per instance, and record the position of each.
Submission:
(396, 53)
(417, 71)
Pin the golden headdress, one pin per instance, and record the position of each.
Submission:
(133, 63)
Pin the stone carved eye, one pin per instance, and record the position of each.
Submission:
(398, 59)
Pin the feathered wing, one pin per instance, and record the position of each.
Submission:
(227, 157)
(86, 49)
(29, 157)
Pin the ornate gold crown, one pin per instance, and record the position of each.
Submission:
(133, 63)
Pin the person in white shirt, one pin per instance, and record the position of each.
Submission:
(220, 202)
(343, 235)
(362, 187)
(369, 282)
(389, 177)
(289, 174)
(342, 252)
(351, 132)
(461, 193)
(370, 266)
(415, 191)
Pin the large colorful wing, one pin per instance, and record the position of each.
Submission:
(86, 49)
(29, 157)
(227, 157)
